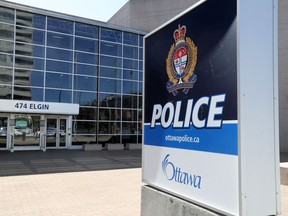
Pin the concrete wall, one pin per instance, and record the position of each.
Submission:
(147, 15)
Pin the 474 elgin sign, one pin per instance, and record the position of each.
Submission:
(181, 62)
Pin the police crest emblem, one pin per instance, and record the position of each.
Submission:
(181, 62)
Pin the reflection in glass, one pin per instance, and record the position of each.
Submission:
(5, 92)
(28, 93)
(3, 131)
(81, 127)
(86, 58)
(59, 54)
(6, 15)
(6, 47)
(86, 69)
(111, 35)
(86, 45)
(6, 32)
(110, 72)
(130, 64)
(6, 60)
(85, 98)
(130, 38)
(29, 50)
(129, 101)
(58, 66)
(130, 52)
(129, 115)
(29, 63)
(85, 83)
(109, 128)
(86, 30)
(111, 49)
(109, 114)
(130, 74)
(29, 77)
(83, 139)
(109, 100)
(59, 40)
(140, 76)
(110, 61)
(141, 54)
(87, 114)
(141, 38)
(52, 95)
(28, 35)
(58, 80)
(30, 20)
(59, 25)
(141, 88)
(6, 75)
(130, 87)
(110, 85)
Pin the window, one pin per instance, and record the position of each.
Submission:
(86, 30)
(59, 54)
(111, 35)
(86, 45)
(110, 85)
(58, 80)
(60, 25)
(111, 61)
(130, 52)
(59, 40)
(63, 96)
(58, 66)
(111, 49)
(130, 38)
(6, 15)
(110, 72)
(30, 20)
(85, 83)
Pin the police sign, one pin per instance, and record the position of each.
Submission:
(191, 107)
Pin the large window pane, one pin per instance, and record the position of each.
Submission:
(109, 114)
(78, 140)
(86, 45)
(86, 69)
(86, 58)
(82, 127)
(130, 87)
(59, 54)
(87, 114)
(7, 32)
(130, 64)
(86, 30)
(63, 96)
(30, 20)
(27, 35)
(141, 41)
(109, 100)
(60, 25)
(129, 101)
(58, 80)
(6, 47)
(85, 83)
(111, 35)
(28, 93)
(109, 128)
(110, 72)
(110, 85)
(29, 78)
(111, 49)
(29, 50)
(110, 61)
(130, 74)
(129, 115)
(6, 75)
(59, 40)
(58, 66)
(130, 52)
(85, 98)
(6, 60)
(6, 15)
(30, 63)
(5, 92)
(141, 54)
(130, 38)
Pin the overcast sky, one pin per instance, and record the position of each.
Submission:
(100, 10)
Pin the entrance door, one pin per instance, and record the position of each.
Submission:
(3, 132)
(56, 136)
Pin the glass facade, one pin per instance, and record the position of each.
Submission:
(51, 59)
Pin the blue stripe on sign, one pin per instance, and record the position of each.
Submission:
(223, 140)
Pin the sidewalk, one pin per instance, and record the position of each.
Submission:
(73, 183)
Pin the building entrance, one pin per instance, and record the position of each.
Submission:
(56, 132)
(3, 132)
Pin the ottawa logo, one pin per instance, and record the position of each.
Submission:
(181, 62)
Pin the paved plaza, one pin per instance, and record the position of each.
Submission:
(68, 183)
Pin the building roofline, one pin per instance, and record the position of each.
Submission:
(60, 15)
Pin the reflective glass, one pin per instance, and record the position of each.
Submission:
(6, 15)
(86, 30)
(5, 92)
(52, 95)
(130, 52)
(31, 36)
(109, 114)
(58, 80)
(110, 61)
(29, 78)
(130, 64)
(60, 25)
(130, 74)
(58, 66)
(129, 138)
(6, 47)
(140, 65)
(141, 41)
(130, 38)
(87, 114)
(111, 49)
(86, 69)
(85, 98)
(6, 75)
(111, 35)
(141, 54)
(110, 85)
(86, 58)
(59, 40)
(30, 20)
(83, 127)
(128, 128)
(109, 128)
(59, 54)
(130, 87)
(102, 138)
(29, 50)
(140, 88)
(86, 45)
(140, 102)
(6, 60)
(83, 139)
(85, 83)
(129, 115)
(109, 100)
(129, 101)
(110, 72)
(28, 93)
(30, 63)
(140, 75)
(7, 32)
